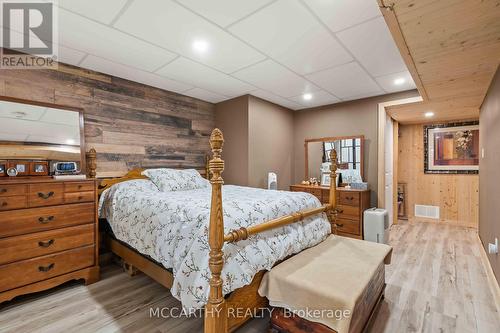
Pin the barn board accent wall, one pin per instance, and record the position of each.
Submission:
(456, 195)
(129, 124)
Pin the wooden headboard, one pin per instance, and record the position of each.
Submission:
(106, 183)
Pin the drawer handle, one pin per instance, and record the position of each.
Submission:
(46, 244)
(340, 211)
(339, 225)
(45, 220)
(46, 268)
(80, 198)
(4, 203)
(3, 190)
(45, 195)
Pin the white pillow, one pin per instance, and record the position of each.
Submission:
(176, 180)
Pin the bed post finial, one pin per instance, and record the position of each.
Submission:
(91, 163)
(333, 186)
(215, 310)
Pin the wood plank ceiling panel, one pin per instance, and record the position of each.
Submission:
(452, 49)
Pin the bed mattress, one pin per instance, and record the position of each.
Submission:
(172, 229)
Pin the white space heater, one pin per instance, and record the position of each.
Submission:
(272, 181)
(376, 222)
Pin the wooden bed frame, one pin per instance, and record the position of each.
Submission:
(218, 308)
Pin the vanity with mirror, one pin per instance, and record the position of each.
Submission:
(354, 195)
(48, 207)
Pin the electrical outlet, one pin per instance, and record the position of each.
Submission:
(482, 153)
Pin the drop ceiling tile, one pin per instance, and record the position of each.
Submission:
(341, 14)
(201, 76)
(345, 80)
(69, 56)
(133, 74)
(275, 78)
(372, 45)
(62, 117)
(224, 12)
(99, 10)
(318, 98)
(270, 97)
(205, 95)
(287, 32)
(20, 111)
(387, 82)
(82, 34)
(168, 24)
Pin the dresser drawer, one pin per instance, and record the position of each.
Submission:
(349, 226)
(15, 202)
(349, 198)
(24, 221)
(32, 270)
(45, 242)
(45, 195)
(10, 190)
(75, 197)
(348, 212)
(78, 186)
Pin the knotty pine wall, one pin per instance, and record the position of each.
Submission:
(129, 124)
(456, 195)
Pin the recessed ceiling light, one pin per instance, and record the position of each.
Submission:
(200, 45)
(307, 97)
(399, 81)
(429, 114)
(70, 142)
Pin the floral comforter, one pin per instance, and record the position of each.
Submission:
(172, 228)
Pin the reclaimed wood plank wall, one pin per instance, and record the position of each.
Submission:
(129, 124)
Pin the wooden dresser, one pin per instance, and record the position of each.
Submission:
(351, 205)
(48, 234)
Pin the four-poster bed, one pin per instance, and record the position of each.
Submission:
(218, 307)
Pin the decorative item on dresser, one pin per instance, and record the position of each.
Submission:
(351, 205)
(48, 234)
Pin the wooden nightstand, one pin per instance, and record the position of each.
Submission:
(48, 234)
(351, 205)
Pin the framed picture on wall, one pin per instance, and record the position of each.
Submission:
(452, 148)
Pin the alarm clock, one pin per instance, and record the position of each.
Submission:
(66, 168)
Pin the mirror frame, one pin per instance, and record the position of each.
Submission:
(83, 160)
(334, 138)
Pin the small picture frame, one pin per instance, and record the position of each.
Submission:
(22, 167)
(39, 168)
(325, 179)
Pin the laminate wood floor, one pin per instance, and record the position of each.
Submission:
(436, 283)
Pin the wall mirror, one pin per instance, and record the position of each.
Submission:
(350, 151)
(35, 136)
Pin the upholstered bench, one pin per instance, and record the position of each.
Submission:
(332, 287)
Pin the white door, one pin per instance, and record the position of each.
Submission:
(388, 172)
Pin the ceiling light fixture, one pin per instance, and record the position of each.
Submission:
(429, 114)
(399, 81)
(200, 46)
(307, 97)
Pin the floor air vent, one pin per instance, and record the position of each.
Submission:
(430, 212)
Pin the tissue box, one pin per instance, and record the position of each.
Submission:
(359, 186)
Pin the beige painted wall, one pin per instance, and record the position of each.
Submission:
(456, 195)
(258, 139)
(231, 117)
(489, 171)
(350, 118)
(270, 143)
